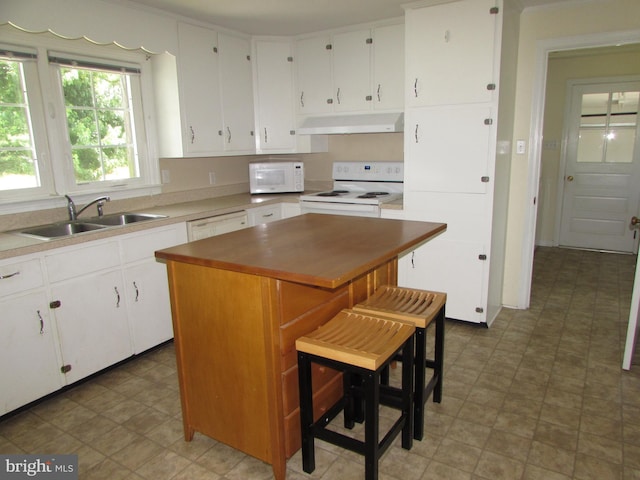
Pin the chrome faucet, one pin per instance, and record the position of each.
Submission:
(71, 207)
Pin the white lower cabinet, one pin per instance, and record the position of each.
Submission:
(216, 225)
(29, 365)
(73, 311)
(451, 267)
(146, 287)
(92, 323)
(266, 214)
(290, 209)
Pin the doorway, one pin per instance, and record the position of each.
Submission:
(598, 187)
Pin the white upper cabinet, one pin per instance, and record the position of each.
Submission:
(199, 84)
(273, 86)
(354, 71)
(351, 52)
(451, 53)
(236, 92)
(388, 67)
(313, 68)
(216, 92)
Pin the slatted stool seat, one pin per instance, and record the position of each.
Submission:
(360, 346)
(420, 308)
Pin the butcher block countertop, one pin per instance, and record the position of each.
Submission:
(312, 249)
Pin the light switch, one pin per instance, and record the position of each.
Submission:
(521, 147)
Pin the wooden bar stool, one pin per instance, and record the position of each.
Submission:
(420, 308)
(363, 346)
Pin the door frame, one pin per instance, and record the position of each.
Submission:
(543, 49)
(565, 134)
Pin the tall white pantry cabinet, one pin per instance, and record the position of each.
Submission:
(451, 105)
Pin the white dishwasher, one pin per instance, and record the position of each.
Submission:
(219, 224)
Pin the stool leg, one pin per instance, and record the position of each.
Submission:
(408, 400)
(306, 413)
(439, 356)
(350, 399)
(371, 389)
(420, 397)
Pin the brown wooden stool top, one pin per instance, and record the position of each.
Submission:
(356, 339)
(406, 304)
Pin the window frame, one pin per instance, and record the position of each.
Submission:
(137, 108)
(53, 151)
(38, 130)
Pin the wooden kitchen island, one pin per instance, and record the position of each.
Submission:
(241, 299)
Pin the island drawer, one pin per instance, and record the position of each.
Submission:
(320, 375)
(308, 322)
(295, 300)
(323, 400)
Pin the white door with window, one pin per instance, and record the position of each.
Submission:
(602, 168)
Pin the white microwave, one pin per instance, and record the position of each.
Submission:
(276, 177)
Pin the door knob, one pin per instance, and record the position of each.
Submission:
(635, 221)
(570, 178)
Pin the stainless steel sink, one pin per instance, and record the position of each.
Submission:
(123, 219)
(65, 229)
(56, 230)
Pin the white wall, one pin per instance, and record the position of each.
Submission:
(539, 27)
(602, 62)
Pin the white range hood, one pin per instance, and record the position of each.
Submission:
(345, 124)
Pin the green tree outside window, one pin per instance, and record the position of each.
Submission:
(18, 166)
(99, 122)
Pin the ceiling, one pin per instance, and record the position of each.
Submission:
(287, 17)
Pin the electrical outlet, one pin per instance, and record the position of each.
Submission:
(166, 176)
(212, 178)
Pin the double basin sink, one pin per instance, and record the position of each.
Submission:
(65, 229)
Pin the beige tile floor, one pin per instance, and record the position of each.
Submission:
(539, 395)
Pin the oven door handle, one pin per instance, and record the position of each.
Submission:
(339, 208)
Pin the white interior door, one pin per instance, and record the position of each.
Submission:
(602, 168)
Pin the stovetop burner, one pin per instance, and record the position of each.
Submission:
(373, 194)
(333, 193)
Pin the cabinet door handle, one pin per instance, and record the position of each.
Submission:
(193, 134)
(41, 323)
(137, 291)
(9, 275)
(228, 135)
(302, 99)
(265, 135)
(416, 133)
(338, 95)
(117, 297)
(378, 92)
(267, 215)
(415, 88)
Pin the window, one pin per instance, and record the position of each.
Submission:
(608, 127)
(100, 104)
(73, 123)
(100, 125)
(19, 164)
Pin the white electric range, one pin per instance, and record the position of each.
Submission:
(359, 188)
